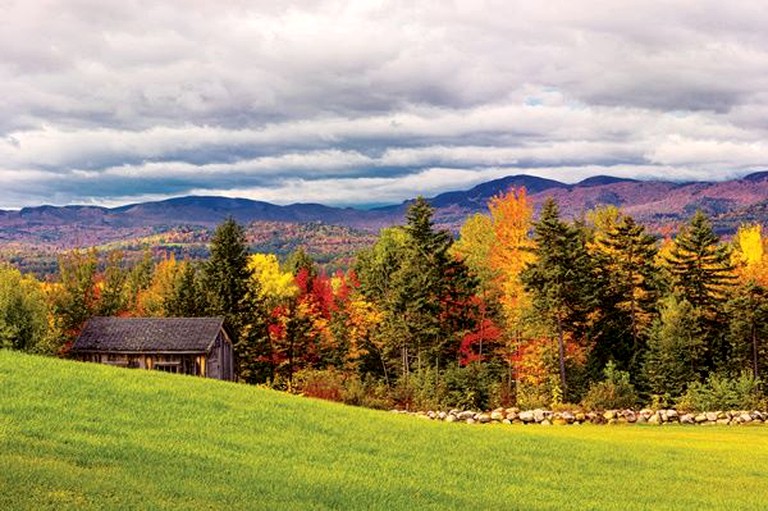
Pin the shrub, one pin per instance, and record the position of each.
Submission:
(321, 384)
(720, 392)
(614, 392)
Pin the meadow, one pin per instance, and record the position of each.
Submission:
(84, 436)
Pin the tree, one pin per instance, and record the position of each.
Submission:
(185, 300)
(749, 255)
(23, 312)
(112, 286)
(78, 298)
(225, 280)
(700, 264)
(560, 279)
(676, 348)
(748, 329)
(624, 256)
(702, 272)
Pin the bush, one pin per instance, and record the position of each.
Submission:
(723, 393)
(612, 393)
(326, 384)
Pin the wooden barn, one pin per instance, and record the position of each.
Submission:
(196, 346)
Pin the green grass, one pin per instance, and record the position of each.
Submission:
(84, 436)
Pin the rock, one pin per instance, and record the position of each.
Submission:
(545, 422)
(687, 419)
(568, 417)
(655, 419)
(672, 416)
(506, 421)
(511, 415)
(700, 418)
(470, 421)
(745, 418)
(484, 418)
(526, 416)
(497, 415)
(466, 415)
(722, 422)
(580, 417)
(441, 416)
(451, 418)
(630, 416)
(711, 416)
(609, 415)
(642, 419)
(559, 421)
(539, 415)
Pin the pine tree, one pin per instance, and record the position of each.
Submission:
(700, 264)
(702, 272)
(748, 329)
(676, 349)
(225, 280)
(186, 298)
(560, 279)
(624, 258)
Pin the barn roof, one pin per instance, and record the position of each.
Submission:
(146, 335)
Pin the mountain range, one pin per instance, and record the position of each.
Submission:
(658, 204)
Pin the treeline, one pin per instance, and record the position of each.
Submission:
(535, 313)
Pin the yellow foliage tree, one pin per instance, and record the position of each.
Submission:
(749, 254)
(271, 284)
(511, 217)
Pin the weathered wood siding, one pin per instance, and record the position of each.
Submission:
(220, 359)
(217, 363)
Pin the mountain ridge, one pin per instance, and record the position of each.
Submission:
(655, 202)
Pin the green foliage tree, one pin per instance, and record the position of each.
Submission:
(226, 280)
(186, 298)
(676, 349)
(702, 272)
(23, 312)
(113, 295)
(78, 300)
(701, 265)
(748, 329)
(626, 274)
(560, 279)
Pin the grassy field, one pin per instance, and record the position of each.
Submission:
(80, 436)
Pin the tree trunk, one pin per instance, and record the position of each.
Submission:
(561, 354)
(754, 350)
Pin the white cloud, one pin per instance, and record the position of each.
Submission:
(110, 101)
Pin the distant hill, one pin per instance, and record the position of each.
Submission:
(656, 203)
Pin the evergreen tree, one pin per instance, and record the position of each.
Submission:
(676, 349)
(748, 329)
(186, 298)
(225, 280)
(560, 279)
(624, 257)
(702, 272)
(701, 265)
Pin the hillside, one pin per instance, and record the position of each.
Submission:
(84, 436)
(658, 204)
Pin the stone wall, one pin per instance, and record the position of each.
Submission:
(548, 418)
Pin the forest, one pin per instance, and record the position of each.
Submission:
(515, 310)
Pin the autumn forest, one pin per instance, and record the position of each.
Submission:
(518, 310)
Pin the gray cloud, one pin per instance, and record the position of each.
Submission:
(371, 101)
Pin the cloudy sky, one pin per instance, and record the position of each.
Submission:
(370, 102)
